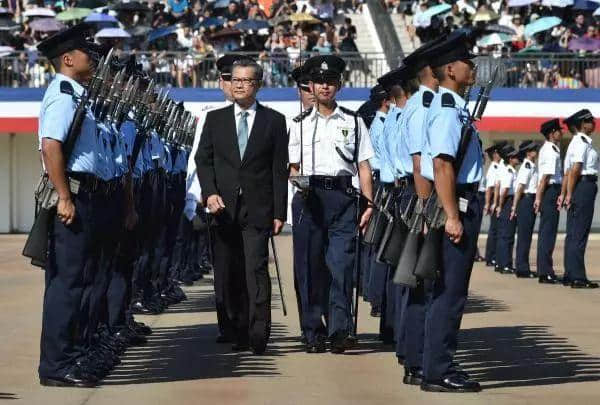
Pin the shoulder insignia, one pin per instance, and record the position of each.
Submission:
(555, 148)
(583, 138)
(527, 165)
(427, 98)
(447, 100)
(67, 88)
(398, 116)
(382, 119)
(303, 115)
(348, 111)
(495, 165)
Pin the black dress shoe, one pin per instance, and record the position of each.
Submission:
(376, 312)
(507, 270)
(454, 383)
(75, 378)
(318, 346)
(240, 347)
(479, 258)
(583, 284)
(138, 308)
(525, 275)
(303, 338)
(413, 376)
(497, 269)
(338, 344)
(547, 279)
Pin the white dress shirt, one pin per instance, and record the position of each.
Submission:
(528, 176)
(580, 150)
(492, 174)
(508, 179)
(323, 137)
(549, 163)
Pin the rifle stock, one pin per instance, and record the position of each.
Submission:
(404, 273)
(36, 246)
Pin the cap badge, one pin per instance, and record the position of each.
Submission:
(324, 66)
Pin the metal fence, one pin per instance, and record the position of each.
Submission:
(192, 70)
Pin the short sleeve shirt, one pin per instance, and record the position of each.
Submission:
(549, 163)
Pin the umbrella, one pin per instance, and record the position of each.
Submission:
(557, 3)
(530, 49)
(131, 6)
(226, 32)
(161, 32)
(139, 30)
(485, 16)
(500, 28)
(100, 18)
(435, 10)
(46, 25)
(221, 4)
(520, 3)
(39, 12)
(251, 25)
(541, 24)
(214, 21)
(6, 50)
(597, 12)
(73, 14)
(112, 33)
(494, 39)
(8, 25)
(585, 5)
(5, 11)
(584, 44)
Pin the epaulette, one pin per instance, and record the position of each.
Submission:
(495, 165)
(382, 119)
(448, 100)
(348, 111)
(584, 140)
(555, 148)
(527, 165)
(66, 88)
(427, 98)
(302, 115)
(398, 116)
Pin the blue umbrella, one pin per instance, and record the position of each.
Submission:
(541, 24)
(435, 10)
(161, 32)
(254, 25)
(585, 5)
(100, 17)
(222, 3)
(207, 22)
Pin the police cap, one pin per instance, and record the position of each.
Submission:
(301, 77)
(378, 93)
(579, 116)
(510, 152)
(455, 47)
(325, 67)
(528, 145)
(395, 77)
(550, 126)
(225, 63)
(77, 37)
(420, 56)
(495, 148)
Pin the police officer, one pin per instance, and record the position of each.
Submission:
(490, 197)
(70, 241)
(548, 198)
(581, 164)
(335, 146)
(457, 192)
(506, 223)
(522, 207)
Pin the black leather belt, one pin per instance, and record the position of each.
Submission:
(406, 180)
(331, 182)
(591, 178)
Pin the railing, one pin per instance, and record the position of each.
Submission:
(192, 70)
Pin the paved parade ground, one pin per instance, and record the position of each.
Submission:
(525, 343)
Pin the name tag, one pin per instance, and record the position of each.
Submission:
(463, 204)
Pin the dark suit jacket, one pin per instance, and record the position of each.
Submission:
(262, 174)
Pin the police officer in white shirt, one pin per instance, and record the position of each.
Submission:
(334, 147)
(490, 198)
(581, 166)
(548, 197)
(506, 223)
(522, 207)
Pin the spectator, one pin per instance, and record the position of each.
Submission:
(579, 28)
(347, 35)
(321, 47)
(325, 10)
(233, 12)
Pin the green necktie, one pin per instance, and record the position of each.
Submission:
(242, 132)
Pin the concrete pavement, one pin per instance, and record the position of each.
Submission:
(526, 343)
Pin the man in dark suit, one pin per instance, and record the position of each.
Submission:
(242, 167)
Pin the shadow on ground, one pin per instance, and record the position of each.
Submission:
(518, 356)
(8, 395)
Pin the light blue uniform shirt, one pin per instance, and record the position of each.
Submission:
(120, 153)
(157, 150)
(56, 114)
(180, 160)
(390, 132)
(412, 129)
(375, 132)
(443, 132)
(107, 167)
(129, 132)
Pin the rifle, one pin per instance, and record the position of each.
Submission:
(404, 273)
(36, 246)
(395, 235)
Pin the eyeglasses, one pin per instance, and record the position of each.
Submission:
(245, 81)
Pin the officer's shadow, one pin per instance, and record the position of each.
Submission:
(516, 356)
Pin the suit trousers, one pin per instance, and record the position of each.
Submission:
(549, 216)
(242, 279)
(525, 224)
(579, 223)
(506, 236)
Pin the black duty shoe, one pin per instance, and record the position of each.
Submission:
(376, 311)
(413, 376)
(479, 258)
(141, 328)
(318, 346)
(240, 347)
(138, 308)
(507, 270)
(547, 279)
(338, 344)
(454, 383)
(351, 341)
(75, 378)
(525, 275)
(303, 339)
(497, 269)
(583, 284)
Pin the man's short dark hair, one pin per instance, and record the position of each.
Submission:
(258, 70)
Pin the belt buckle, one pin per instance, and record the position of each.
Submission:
(328, 184)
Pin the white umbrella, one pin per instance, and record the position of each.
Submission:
(112, 33)
(558, 3)
(497, 38)
(6, 50)
(521, 3)
(39, 12)
(597, 12)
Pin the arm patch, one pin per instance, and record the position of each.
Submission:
(427, 98)
(527, 165)
(382, 119)
(448, 100)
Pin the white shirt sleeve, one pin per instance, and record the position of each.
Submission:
(490, 178)
(524, 175)
(547, 163)
(578, 150)
(365, 151)
(294, 143)
(505, 179)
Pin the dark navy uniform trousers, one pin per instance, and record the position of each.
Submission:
(547, 230)
(324, 253)
(579, 222)
(490, 245)
(506, 236)
(525, 224)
